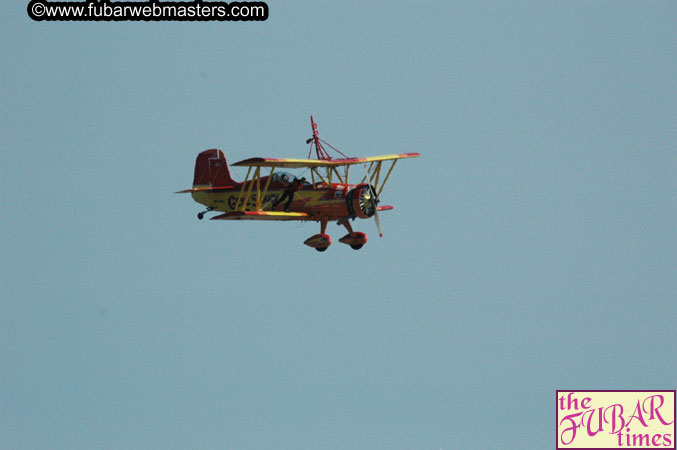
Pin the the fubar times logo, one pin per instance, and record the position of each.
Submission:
(615, 420)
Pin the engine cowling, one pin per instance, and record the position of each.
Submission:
(362, 201)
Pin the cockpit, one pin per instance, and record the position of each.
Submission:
(285, 178)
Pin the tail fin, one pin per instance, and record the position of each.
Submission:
(211, 169)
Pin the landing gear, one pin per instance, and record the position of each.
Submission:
(201, 214)
(356, 239)
(321, 241)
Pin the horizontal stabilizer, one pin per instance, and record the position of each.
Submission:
(262, 215)
(205, 188)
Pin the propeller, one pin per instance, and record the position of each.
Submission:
(372, 197)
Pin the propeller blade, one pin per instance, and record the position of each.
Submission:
(378, 224)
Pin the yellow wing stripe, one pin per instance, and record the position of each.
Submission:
(262, 215)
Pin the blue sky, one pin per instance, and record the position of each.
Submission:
(532, 246)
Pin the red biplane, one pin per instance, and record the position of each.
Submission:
(279, 195)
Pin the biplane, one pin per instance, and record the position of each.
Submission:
(270, 193)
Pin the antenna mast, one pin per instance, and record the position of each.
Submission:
(319, 149)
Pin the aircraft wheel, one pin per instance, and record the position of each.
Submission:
(356, 246)
(200, 215)
(321, 249)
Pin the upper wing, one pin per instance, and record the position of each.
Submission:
(262, 215)
(299, 163)
(388, 157)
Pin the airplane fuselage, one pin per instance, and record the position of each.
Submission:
(319, 201)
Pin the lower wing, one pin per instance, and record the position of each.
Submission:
(262, 215)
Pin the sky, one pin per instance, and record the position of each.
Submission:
(532, 246)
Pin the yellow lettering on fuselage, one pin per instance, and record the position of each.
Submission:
(227, 201)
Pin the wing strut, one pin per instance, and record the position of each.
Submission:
(386, 178)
